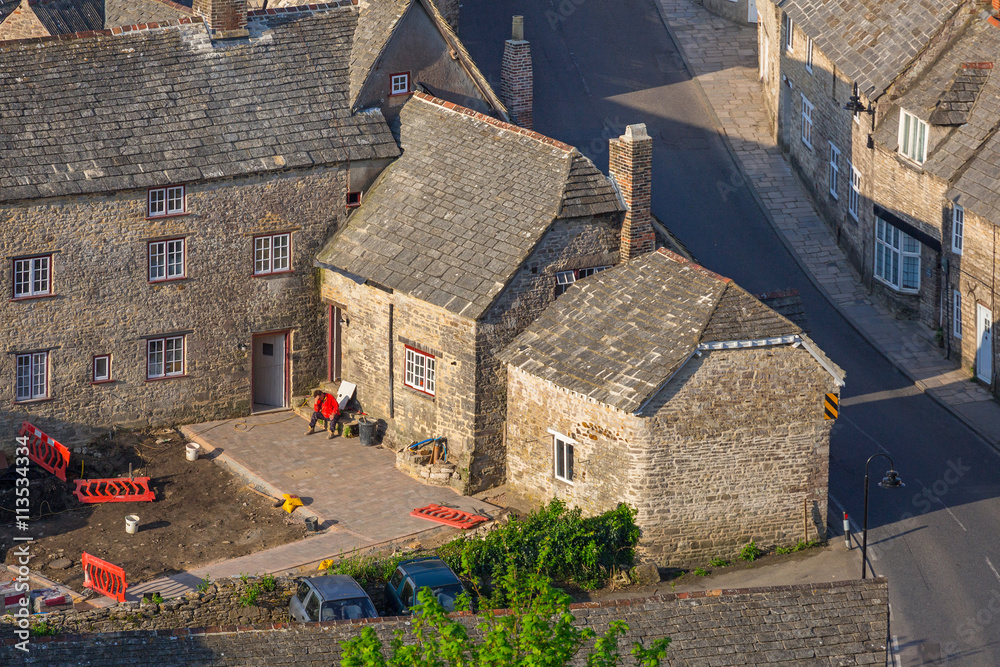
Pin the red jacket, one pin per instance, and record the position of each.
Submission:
(327, 406)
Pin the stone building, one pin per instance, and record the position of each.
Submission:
(22, 19)
(885, 175)
(163, 194)
(665, 386)
(460, 243)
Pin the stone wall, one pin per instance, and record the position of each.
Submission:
(734, 10)
(734, 448)
(22, 23)
(973, 273)
(103, 302)
(218, 605)
(769, 60)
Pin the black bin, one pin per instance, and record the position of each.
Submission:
(366, 432)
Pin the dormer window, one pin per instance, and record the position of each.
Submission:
(400, 84)
(912, 137)
(165, 201)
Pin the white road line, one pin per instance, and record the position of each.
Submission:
(864, 433)
(941, 503)
(995, 573)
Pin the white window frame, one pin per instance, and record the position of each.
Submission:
(789, 34)
(834, 173)
(805, 132)
(162, 260)
(94, 376)
(764, 54)
(566, 278)
(272, 253)
(892, 256)
(809, 54)
(162, 202)
(854, 192)
(32, 276)
(165, 357)
(399, 83)
(956, 314)
(566, 445)
(420, 371)
(31, 376)
(912, 137)
(957, 229)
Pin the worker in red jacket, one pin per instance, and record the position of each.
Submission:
(324, 408)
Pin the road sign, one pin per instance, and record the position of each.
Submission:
(831, 406)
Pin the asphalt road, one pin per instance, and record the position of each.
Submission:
(600, 66)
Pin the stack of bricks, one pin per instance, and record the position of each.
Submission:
(631, 167)
(225, 18)
(516, 85)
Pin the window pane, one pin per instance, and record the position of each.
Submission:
(281, 252)
(408, 378)
(175, 258)
(262, 254)
(418, 371)
(157, 260)
(910, 244)
(560, 459)
(173, 356)
(154, 360)
(906, 134)
(157, 200)
(23, 376)
(921, 137)
(911, 272)
(38, 371)
(569, 462)
(957, 314)
(22, 277)
(100, 368)
(429, 362)
(175, 200)
(40, 278)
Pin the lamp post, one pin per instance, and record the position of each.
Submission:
(890, 481)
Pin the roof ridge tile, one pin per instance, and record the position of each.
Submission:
(108, 32)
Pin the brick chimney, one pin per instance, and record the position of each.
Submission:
(225, 19)
(516, 87)
(631, 166)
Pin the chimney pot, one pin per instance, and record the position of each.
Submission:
(517, 31)
(636, 132)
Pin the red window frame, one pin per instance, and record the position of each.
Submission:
(93, 369)
(167, 212)
(353, 199)
(13, 280)
(31, 373)
(163, 360)
(149, 260)
(392, 85)
(271, 271)
(407, 351)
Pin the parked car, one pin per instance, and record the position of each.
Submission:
(412, 575)
(331, 598)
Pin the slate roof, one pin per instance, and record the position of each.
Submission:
(839, 623)
(618, 336)
(870, 41)
(60, 17)
(455, 217)
(112, 112)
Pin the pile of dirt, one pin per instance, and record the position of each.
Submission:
(201, 514)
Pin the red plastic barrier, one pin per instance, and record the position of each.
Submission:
(113, 490)
(46, 451)
(104, 577)
(448, 516)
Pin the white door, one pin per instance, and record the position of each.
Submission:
(751, 11)
(984, 335)
(269, 372)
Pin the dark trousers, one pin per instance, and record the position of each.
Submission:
(331, 423)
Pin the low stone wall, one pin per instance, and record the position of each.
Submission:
(418, 465)
(218, 605)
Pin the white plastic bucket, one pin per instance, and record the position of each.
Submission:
(132, 524)
(192, 450)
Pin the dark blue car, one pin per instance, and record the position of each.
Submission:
(412, 575)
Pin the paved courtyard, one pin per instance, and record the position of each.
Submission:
(356, 491)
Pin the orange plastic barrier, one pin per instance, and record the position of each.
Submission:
(103, 577)
(448, 516)
(113, 490)
(46, 451)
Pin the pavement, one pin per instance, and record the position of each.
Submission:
(722, 58)
(363, 502)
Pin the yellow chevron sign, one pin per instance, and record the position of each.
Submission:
(831, 406)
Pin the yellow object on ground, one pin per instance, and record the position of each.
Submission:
(325, 564)
(291, 502)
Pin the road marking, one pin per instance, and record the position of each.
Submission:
(940, 502)
(864, 433)
(995, 573)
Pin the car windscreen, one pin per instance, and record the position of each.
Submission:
(447, 594)
(339, 610)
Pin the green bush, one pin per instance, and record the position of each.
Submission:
(719, 562)
(268, 583)
(250, 597)
(554, 541)
(369, 571)
(781, 551)
(203, 585)
(750, 552)
(700, 572)
(44, 629)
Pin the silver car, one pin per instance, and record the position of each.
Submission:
(331, 598)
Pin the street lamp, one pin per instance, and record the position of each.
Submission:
(890, 481)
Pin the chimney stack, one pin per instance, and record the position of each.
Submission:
(631, 166)
(225, 19)
(516, 87)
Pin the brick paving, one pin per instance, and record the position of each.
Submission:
(356, 491)
(722, 57)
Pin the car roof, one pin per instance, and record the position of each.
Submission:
(337, 587)
(429, 572)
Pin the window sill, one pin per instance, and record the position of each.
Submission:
(273, 274)
(34, 297)
(400, 94)
(167, 215)
(30, 401)
(563, 481)
(160, 281)
(167, 377)
(103, 382)
(898, 290)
